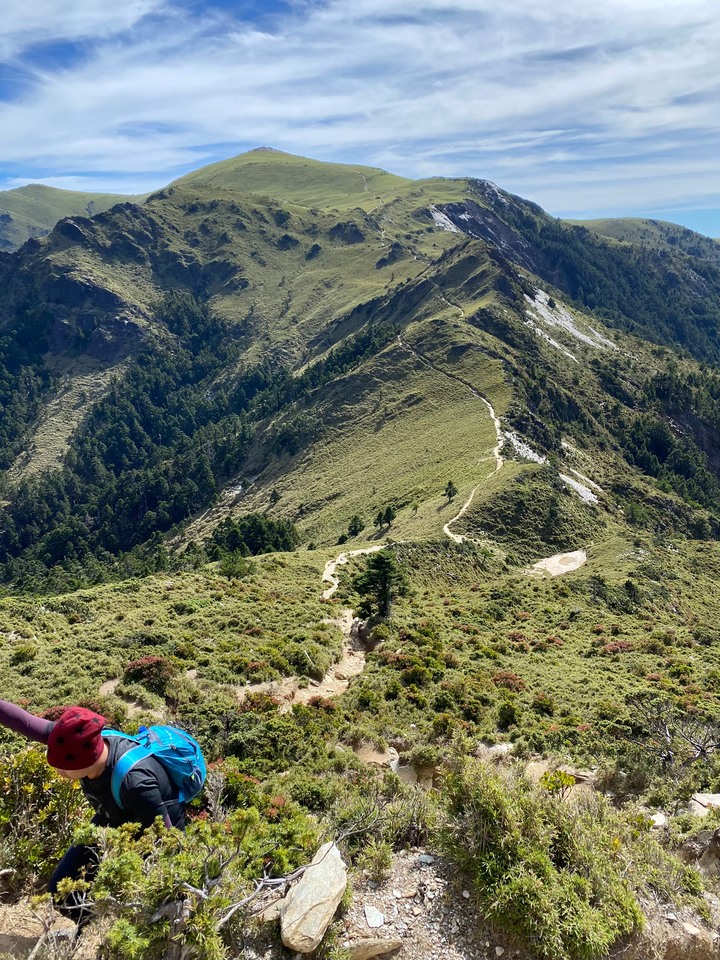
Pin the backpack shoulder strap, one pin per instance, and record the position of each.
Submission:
(125, 764)
(123, 767)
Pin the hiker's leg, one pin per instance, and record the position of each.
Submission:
(79, 863)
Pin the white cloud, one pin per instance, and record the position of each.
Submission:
(570, 104)
(41, 21)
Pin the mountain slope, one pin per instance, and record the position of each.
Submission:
(658, 234)
(33, 211)
(341, 361)
(299, 180)
(311, 373)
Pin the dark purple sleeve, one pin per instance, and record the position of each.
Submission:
(20, 721)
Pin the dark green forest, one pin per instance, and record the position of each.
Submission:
(157, 447)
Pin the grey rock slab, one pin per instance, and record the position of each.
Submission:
(372, 947)
(701, 803)
(310, 906)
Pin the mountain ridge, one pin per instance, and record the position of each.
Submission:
(32, 210)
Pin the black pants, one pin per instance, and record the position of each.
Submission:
(79, 863)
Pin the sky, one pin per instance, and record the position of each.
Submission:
(589, 109)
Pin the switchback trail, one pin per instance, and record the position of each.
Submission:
(496, 454)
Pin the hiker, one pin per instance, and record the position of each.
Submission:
(81, 748)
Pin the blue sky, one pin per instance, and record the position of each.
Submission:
(588, 109)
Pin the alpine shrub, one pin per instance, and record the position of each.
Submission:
(154, 673)
(561, 878)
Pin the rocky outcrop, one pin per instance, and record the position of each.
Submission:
(372, 947)
(669, 937)
(308, 909)
(347, 232)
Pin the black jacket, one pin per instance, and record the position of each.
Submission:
(146, 793)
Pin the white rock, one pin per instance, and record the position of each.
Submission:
(310, 906)
(700, 803)
(499, 951)
(373, 916)
(466, 894)
(426, 859)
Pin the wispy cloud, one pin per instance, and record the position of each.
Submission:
(602, 108)
(32, 22)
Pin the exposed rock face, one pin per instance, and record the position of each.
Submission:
(670, 938)
(372, 947)
(310, 906)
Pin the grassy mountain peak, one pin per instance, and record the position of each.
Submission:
(305, 182)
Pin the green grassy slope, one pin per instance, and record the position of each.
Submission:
(447, 264)
(33, 211)
(658, 234)
(298, 180)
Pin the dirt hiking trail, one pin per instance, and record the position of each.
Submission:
(496, 453)
(289, 691)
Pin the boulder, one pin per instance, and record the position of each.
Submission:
(701, 803)
(372, 947)
(310, 906)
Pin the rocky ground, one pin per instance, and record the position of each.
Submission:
(422, 908)
(421, 911)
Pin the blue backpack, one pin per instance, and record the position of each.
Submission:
(176, 750)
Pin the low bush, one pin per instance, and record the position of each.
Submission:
(154, 673)
(38, 812)
(561, 878)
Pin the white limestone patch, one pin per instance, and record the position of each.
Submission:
(538, 331)
(586, 480)
(584, 492)
(559, 317)
(522, 449)
(443, 221)
(493, 190)
(561, 563)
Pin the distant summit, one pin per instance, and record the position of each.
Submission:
(33, 210)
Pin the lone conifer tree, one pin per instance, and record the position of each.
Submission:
(355, 526)
(389, 516)
(450, 490)
(379, 584)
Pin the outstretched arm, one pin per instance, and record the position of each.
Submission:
(20, 721)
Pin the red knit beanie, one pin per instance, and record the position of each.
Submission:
(75, 741)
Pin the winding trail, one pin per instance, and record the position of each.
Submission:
(496, 453)
(332, 565)
(556, 565)
(289, 691)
